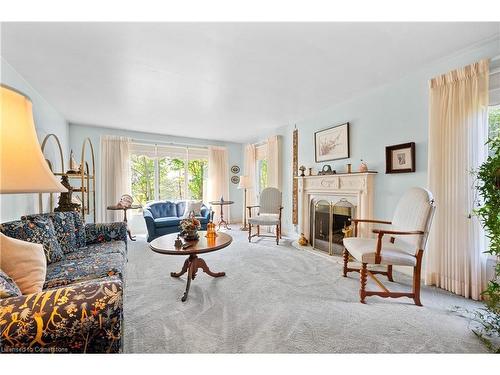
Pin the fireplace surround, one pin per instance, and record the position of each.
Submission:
(326, 202)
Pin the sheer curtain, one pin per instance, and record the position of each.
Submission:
(218, 177)
(249, 169)
(458, 126)
(115, 175)
(274, 162)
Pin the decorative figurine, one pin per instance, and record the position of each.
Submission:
(302, 169)
(65, 202)
(363, 167)
(310, 171)
(302, 240)
(73, 166)
(347, 230)
(178, 242)
(349, 168)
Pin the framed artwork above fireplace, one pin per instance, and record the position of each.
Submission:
(332, 143)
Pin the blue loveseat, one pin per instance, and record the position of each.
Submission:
(164, 217)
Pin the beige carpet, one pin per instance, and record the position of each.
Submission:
(278, 299)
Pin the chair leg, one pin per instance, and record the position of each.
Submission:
(389, 272)
(416, 279)
(249, 232)
(258, 230)
(277, 234)
(362, 278)
(346, 261)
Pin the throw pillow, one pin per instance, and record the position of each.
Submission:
(64, 227)
(193, 206)
(24, 262)
(41, 230)
(8, 288)
(81, 240)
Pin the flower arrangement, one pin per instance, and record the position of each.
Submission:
(189, 227)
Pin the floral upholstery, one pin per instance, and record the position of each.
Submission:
(8, 288)
(36, 229)
(64, 227)
(105, 232)
(111, 247)
(81, 239)
(95, 266)
(80, 308)
(81, 318)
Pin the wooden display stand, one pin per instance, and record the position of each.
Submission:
(85, 178)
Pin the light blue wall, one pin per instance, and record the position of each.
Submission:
(391, 114)
(77, 133)
(47, 120)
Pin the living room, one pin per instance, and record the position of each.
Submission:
(249, 187)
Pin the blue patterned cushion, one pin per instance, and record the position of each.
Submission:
(8, 288)
(97, 266)
(111, 247)
(64, 226)
(41, 230)
(79, 229)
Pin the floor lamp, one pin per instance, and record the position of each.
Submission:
(245, 184)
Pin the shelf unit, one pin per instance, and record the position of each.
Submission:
(84, 181)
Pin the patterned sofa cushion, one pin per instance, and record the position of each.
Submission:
(111, 247)
(79, 228)
(97, 266)
(8, 288)
(36, 229)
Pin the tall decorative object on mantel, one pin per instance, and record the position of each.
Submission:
(84, 176)
(295, 171)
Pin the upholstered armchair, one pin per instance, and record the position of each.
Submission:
(269, 213)
(402, 243)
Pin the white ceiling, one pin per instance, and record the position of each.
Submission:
(227, 81)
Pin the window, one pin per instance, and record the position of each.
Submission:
(493, 121)
(168, 173)
(262, 174)
(261, 166)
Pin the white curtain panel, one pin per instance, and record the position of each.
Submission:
(218, 178)
(274, 168)
(249, 169)
(458, 128)
(115, 175)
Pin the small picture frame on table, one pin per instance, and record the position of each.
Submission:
(400, 158)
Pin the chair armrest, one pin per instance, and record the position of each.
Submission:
(83, 318)
(250, 210)
(397, 232)
(356, 221)
(370, 221)
(253, 206)
(381, 234)
(104, 232)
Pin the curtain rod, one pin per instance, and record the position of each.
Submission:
(180, 145)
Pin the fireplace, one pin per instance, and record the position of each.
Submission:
(328, 219)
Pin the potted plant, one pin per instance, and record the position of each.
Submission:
(488, 185)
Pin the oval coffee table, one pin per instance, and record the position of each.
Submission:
(165, 245)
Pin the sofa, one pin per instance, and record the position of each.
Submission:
(80, 308)
(164, 217)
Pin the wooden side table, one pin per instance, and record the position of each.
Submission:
(117, 208)
(221, 218)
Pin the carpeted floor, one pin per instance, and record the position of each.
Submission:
(278, 299)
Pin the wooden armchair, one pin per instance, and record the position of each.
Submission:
(403, 244)
(269, 213)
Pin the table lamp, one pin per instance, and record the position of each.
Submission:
(23, 168)
(245, 184)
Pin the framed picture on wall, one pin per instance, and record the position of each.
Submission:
(400, 158)
(332, 143)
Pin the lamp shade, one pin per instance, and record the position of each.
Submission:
(23, 168)
(245, 182)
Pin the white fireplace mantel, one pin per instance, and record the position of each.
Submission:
(356, 188)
